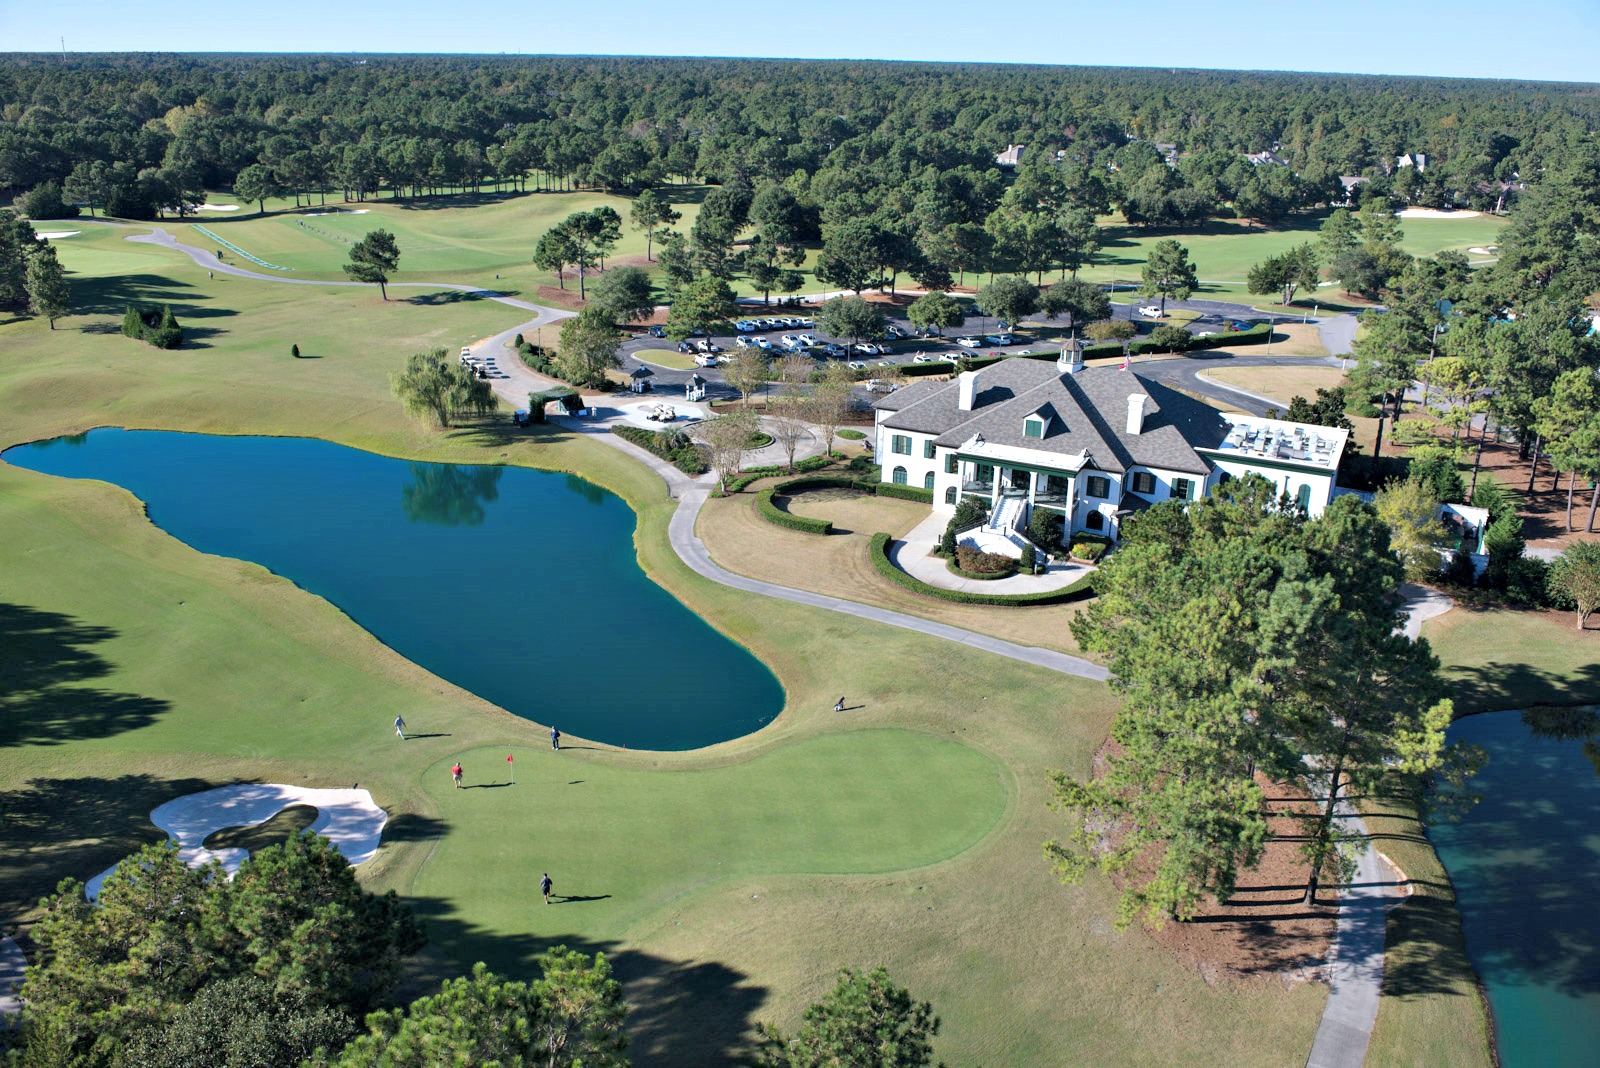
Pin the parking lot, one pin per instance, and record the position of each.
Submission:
(777, 332)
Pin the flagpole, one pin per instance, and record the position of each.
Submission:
(512, 766)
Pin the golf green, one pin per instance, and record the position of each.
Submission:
(621, 842)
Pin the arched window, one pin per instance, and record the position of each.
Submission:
(1095, 521)
(927, 480)
(899, 476)
(1303, 499)
(950, 495)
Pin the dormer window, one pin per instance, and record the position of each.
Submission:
(1033, 426)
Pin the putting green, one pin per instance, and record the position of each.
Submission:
(624, 841)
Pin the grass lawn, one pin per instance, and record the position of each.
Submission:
(139, 670)
(1498, 659)
(678, 361)
(1280, 383)
(837, 565)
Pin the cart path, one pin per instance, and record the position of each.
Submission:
(12, 963)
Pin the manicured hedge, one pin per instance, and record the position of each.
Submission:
(752, 474)
(800, 485)
(878, 554)
(849, 434)
(686, 459)
(773, 514)
(1089, 547)
(1256, 335)
(905, 493)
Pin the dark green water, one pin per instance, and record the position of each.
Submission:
(1525, 862)
(521, 586)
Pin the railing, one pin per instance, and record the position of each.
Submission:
(1052, 500)
(986, 488)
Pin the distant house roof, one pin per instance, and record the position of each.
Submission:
(641, 372)
(1011, 157)
(1418, 160)
(1265, 158)
(1350, 181)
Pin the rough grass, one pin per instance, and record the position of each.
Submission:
(1280, 383)
(1499, 659)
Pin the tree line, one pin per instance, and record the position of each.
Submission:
(290, 964)
(139, 134)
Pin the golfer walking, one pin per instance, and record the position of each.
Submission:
(400, 727)
(455, 774)
(545, 885)
(555, 738)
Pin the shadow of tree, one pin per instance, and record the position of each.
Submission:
(1492, 686)
(410, 827)
(681, 1012)
(57, 828)
(442, 297)
(44, 659)
(110, 295)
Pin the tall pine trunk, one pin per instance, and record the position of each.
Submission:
(1594, 499)
(1572, 483)
(1538, 442)
(1323, 833)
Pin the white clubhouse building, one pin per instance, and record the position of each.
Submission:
(1095, 444)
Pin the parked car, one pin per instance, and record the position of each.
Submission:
(1206, 333)
(1240, 324)
(684, 346)
(895, 332)
(865, 348)
(969, 342)
(768, 324)
(745, 326)
(1000, 339)
(923, 357)
(705, 359)
(804, 323)
(1150, 311)
(657, 331)
(856, 365)
(808, 339)
(790, 340)
(707, 345)
(743, 342)
(724, 358)
(833, 350)
(763, 344)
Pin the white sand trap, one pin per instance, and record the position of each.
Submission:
(359, 211)
(56, 235)
(218, 207)
(347, 818)
(1435, 213)
(1477, 250)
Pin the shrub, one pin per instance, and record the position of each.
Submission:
(1169, 338)
(773, 514)
(1090, 547)
(672, 446)
(1030, 558)
(1459, 571)
(878, 555)
(849, 434)
(758, 439)
(1493, 497)
(976, 562)
(813, 463)
(1437, 470)
(1045, 527)
(159, 328)
(905, 493)
(955, 568)
(294, 350)
(1528, 583)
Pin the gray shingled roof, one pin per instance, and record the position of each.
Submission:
(1090, 412)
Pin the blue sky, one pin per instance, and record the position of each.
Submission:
(1555, 40)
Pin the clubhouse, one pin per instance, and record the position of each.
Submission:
(1094, 444)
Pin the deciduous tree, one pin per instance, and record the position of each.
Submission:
(49, 296)
(588, 347)
(625, 293)
(433, 384)
(726, 437)
(936, 311)
(1576, 573)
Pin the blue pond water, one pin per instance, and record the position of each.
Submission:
(521, 586)
(1525, 862)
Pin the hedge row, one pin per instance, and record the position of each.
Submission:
(800, 485)
(878, 554)
(752, 474)
(1256, 335)
(905, 493)
(773, 514)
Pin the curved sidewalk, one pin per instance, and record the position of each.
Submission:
(691, 495)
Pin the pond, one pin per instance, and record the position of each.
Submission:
(521, 586)
(1525, 861)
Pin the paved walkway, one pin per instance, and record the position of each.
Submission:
(913, 555)
(12, 964)
(1355, 964)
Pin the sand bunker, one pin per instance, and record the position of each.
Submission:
(56, 235)
(1435, 213)
(1490, 250)
(347, 818)
(217, 207)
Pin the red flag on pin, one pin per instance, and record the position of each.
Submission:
(508, 758)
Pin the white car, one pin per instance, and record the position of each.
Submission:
(743, 342)
(808, 340)
(768, 324)
(763, 344)
(1150, 311)
(790, 340)
(867, 348)
(999, 339)
(856, 365)
(745, 326)
(705, 359)
(1206, 333)
(724, 358)
(707, 345)
(895, 332)
(969, 342)
(923, 357)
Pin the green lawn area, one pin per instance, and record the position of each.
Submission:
(728, 883)
(1500, 659)
(680, 361)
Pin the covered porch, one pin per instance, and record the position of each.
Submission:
(1013, 489)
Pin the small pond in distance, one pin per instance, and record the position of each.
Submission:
(521, 586)
(1525, 861)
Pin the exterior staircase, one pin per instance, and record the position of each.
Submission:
(999, 533)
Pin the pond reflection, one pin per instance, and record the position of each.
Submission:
(451, 495)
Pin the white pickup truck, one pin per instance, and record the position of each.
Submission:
(1150, 311)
